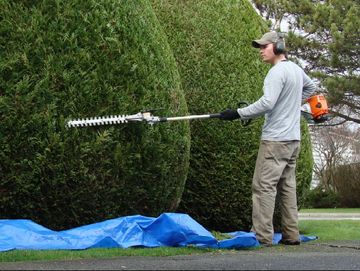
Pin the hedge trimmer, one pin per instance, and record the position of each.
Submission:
(145, 115)
(315, 109)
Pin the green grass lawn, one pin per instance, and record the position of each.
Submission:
(96, 253)
(331, 230)
(332, 210)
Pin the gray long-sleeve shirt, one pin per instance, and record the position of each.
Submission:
(285, 86)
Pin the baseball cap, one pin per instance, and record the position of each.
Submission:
(267, 38)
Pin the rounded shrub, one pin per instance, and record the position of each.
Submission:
(211, 41)
(321, 198)
(73, 59)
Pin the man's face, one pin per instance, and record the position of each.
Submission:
(267, 53)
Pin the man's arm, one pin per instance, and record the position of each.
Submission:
(258, 108)
(273, 85)
(308, 88)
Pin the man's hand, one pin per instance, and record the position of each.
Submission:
(229, 114)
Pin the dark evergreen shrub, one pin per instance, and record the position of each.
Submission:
(321, 198)
(211, 41)
(70, 59)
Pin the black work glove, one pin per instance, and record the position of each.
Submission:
(229, 114)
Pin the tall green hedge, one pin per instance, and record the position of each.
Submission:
(73, 59)
(211, 41)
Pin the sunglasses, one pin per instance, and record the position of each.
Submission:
(263, 46)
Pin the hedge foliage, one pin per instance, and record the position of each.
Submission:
(321, 198)
(74, 59)
(211, 41)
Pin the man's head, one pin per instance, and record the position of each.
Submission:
(271, 45)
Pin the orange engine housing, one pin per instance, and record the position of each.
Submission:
(318, 106)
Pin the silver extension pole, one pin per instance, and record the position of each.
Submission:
(191, 117)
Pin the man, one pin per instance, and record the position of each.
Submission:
(285, 87)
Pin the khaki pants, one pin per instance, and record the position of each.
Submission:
(275, 173)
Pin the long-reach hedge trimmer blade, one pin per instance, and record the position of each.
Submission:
(141, 116)
(97, 121)
(145, 115)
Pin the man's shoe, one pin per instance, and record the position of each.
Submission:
(265, 244)
(290, 242)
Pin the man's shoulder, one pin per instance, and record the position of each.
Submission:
(285, 66)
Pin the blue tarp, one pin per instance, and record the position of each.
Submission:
(169, 229)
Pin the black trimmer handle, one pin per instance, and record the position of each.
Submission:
(215, 116)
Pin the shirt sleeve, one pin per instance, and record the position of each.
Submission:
(272, 88)
(309, 86)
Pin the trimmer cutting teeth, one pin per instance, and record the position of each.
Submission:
(97, 121)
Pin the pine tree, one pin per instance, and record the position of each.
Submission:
(326, 36)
